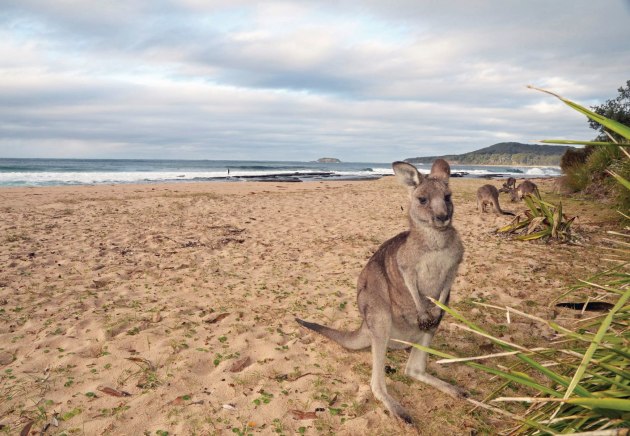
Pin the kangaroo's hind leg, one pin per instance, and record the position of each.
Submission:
(380, 339)
(417, 366)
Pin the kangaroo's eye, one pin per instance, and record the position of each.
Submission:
(422, 200)
(447, 198)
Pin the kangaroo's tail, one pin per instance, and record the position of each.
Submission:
(356, 340)
(495, 203)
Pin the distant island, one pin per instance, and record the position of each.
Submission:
(328, 160)
(503, 153)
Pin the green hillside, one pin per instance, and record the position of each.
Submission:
(503, 153)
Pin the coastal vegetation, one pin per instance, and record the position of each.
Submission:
(590, 170)
(616, 109)
(504, 153)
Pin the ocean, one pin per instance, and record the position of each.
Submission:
(59, 172)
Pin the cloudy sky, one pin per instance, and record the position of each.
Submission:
(370, 81)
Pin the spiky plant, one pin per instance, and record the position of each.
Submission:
(542, 220)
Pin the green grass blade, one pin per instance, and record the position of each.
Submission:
(514, 226)
(602, 287)
(596, 343)
(511, 376)
(532, 363)
(536, 235)
(530, 204)
(567, 225)
(620, 179)
(549, 205)
(545, 208)
(561, 380)
(575, 142)
(613, 125)
(602, 403)
(557, 219)
(557, 327)
(608, 380)
(621, 353)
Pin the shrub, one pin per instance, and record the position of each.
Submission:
(576, 178)
(592, 177)
(607, 159)
(574, 157)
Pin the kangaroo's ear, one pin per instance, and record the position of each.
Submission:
(440, 170)
(407, 174)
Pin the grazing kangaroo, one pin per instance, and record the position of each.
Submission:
(525, 188)
(393, 287)
(509, 185)
(489, 195)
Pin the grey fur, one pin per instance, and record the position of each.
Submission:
(489, 195)
(527, 187)
(395, 283)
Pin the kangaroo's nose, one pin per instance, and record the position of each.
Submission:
(441, 218)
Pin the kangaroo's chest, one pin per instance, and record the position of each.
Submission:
(433, 270)
(428, 265)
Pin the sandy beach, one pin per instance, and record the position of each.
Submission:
(169, 309)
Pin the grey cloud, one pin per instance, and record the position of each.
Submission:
(140, 78)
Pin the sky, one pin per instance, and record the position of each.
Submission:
(362, 81)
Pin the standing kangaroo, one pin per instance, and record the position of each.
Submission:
(393, 287)
(489, 195)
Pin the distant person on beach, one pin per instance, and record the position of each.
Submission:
(228, 172)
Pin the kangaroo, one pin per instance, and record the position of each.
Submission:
(523, 189)
(489, 195)
(509, 185)
(393, 287)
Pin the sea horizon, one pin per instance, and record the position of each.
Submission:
(32, 172)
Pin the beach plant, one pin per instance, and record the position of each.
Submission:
(612, 125)
(542, 220)
(608, 157)
(617, 109)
